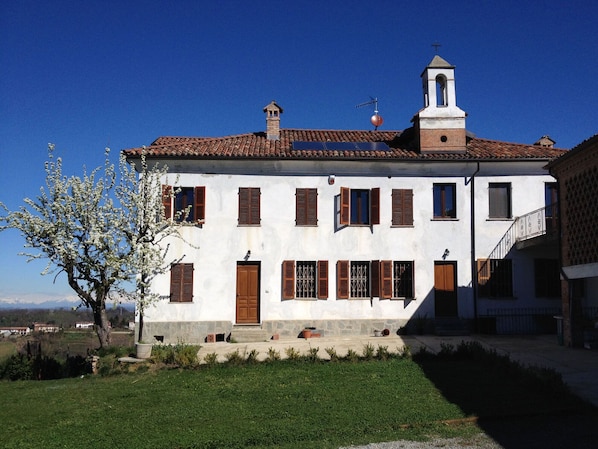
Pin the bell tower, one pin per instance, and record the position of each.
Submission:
(440, 125)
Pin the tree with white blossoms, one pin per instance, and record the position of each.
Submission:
(146, 229)
(100, 233)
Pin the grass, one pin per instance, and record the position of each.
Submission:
(283, 404)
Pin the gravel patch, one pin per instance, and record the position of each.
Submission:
(480, 441)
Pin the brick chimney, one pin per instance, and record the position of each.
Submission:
(273, 112)
(545, 141)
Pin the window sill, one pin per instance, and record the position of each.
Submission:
(306, 225)
(500, 219)
(248, 225)
(444, 219)
(402, 226)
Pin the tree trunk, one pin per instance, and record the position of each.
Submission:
(102, 325)
(140, 332)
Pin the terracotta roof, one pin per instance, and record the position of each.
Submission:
(401, 144)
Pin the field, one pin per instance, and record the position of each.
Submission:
(299, 404)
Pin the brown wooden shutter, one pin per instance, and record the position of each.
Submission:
(322, 279)
(375, 205)
(402, 207)
(199, 199)
(342, 279)
(187, 287)
(175, 282)
(288, 279)
(375, 279)
(345, 217)
(300, 206)
(312, 207)
(243, 206)
(386, 279)
(167, 201)
(255, 206)
(306, 207)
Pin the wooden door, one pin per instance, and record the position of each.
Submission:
(247, 294)
(445, 291)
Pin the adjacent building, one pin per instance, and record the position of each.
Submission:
(352, 231)
(577, 175)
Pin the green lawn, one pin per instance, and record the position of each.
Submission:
(272, 405)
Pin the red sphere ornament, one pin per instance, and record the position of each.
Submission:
(376, 120)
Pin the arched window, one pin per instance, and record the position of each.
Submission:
(441, 91)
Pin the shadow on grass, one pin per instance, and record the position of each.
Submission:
(517, 406)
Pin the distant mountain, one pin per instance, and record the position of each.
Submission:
(53, 304)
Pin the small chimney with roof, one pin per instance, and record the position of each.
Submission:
(545, 141)
(273, 112)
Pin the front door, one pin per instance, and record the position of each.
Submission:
(445, 291)
(247, 294)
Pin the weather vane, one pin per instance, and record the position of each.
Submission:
(375, 119)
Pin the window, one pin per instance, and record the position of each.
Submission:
(370, 279)
(402, 277)
(547, 278)
(189, 203)
(181, 282)
(495, 278)
(249, 206)
(445, 201)
(359, 206)
(305, 279)
(499, 199)
(306, 207)
(402, 207)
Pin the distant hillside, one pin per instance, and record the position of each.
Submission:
(63, 317)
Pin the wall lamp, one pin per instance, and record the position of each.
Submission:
(446, 253)
(248, 255)
(331, 179)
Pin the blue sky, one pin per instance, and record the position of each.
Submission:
(89, 74)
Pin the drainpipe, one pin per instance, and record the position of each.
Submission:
(474, 271)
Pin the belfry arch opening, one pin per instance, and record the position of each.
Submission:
(441, 91)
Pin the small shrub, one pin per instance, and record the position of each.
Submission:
(17, 367)
(185, 356)
(404, 352)
(382, 353)
(351, 356)
(211, 359)
(234, 358)
(368, 351)
(312, 355)
(332, 354)
(292, 353)
(273, 355)
(252, 356)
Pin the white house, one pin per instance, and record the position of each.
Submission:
(350, 231)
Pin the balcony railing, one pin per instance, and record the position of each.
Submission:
(539, 222)
(533, 224)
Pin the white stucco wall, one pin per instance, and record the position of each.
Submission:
(222, 243)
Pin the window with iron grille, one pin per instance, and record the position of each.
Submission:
(305, 279)
(402, 279)
(359, 279)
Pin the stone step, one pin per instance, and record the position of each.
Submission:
(248, 334)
